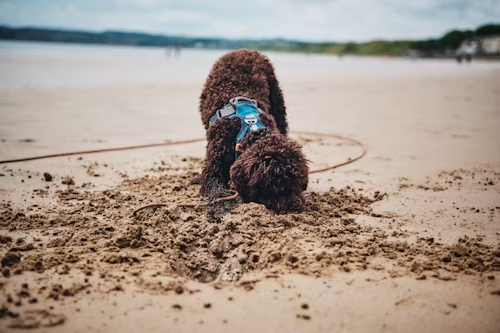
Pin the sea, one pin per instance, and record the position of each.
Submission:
(47, 64)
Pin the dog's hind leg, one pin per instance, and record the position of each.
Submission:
(276, 102)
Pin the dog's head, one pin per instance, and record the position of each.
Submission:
(271, 170)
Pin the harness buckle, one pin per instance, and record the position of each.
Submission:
(225, 111)
(251, 121)
(234, 101)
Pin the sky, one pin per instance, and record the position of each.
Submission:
(307, 20)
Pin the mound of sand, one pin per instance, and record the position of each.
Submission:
(95, 233)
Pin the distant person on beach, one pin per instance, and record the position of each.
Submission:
(466, 51)
(177, 49)
(173, 50)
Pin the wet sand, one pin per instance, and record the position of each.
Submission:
(408, 239)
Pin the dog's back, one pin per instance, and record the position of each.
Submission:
(243, 73)
(250, 151)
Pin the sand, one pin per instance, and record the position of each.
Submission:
(406, 239)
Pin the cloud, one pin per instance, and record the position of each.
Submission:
(332, 20)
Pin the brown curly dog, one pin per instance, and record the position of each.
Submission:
(270, 168)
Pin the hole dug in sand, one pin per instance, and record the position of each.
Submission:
(94, 231)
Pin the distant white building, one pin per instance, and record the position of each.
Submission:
(490, 44)
(468, 47)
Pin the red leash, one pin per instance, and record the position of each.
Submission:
(171, 143)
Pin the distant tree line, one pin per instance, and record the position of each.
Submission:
(106, 37)
(453, 39)
(431, 47)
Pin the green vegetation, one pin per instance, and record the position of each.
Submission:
(431, 47)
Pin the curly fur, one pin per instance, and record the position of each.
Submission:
(271, 169)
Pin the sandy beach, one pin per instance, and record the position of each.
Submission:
(405, 240)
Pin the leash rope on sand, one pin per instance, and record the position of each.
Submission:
(228, 198)
(340, 137)
(171, 143)
(104, 150)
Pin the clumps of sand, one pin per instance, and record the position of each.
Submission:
(95, 234)
(31, 318)
(191, 243)
(459, 179)
(47, 176)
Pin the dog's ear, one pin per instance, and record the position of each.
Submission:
(294, 203)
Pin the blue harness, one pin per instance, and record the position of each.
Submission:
(244, 108)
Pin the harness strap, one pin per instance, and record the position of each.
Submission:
(244, 108)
